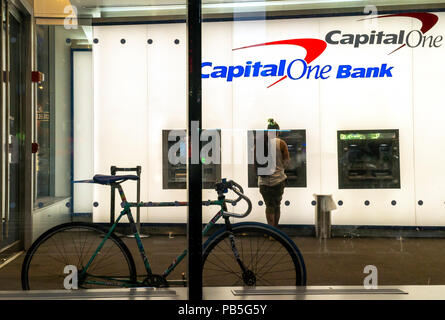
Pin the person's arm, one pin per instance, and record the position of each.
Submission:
(285, 153)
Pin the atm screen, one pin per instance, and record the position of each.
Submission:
(368, 159)
(296, 169)
(174, 175)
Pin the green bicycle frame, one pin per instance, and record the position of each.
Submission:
(127, 212)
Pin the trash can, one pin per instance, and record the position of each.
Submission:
(324, 205)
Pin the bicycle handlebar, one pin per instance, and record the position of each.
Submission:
(223, 187)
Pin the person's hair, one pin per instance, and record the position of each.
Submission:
(272, 124)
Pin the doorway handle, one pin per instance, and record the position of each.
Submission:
(34, 147)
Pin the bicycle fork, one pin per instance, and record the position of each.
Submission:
(248, 276)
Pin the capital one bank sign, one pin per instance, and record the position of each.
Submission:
(305, 68)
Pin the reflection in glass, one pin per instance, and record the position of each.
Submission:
(43, 157)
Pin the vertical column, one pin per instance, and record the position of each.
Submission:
(28, 186)
(7, 121)
(2, 121)
(194, 166)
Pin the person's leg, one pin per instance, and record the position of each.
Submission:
(277, 208)
(277, 215)
(265, 192)
(270, 215)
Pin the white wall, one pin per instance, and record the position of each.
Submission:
(121, 131)
(384, 103)
(83, 126)
(140, 89)
(428, 134)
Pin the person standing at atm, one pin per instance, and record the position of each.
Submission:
(272, 184)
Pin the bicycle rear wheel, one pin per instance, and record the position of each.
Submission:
(270, 257)
(74, 244)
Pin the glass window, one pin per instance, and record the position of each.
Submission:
(349, 92)
(54, 127)
(43, 121)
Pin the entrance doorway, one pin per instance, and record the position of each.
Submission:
(14, 93)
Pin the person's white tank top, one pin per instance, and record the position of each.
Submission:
(278, 175)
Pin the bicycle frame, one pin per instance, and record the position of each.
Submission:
(127, 212)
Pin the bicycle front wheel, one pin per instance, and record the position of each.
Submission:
(66, 249)
(269, 256)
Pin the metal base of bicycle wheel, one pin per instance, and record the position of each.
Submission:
(304, 291)
(95, 294)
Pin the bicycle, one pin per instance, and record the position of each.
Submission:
(241, 254)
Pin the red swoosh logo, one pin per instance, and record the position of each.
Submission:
(314, 48)
(427, 19)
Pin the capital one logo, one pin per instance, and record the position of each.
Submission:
(298, 69)
(411, 38)
(282, 69)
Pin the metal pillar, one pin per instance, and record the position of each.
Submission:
(325, 204)
(194, 168)
(3, 154)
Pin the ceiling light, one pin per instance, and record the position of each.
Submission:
(247, 4)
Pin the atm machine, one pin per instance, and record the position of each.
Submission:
(174, 176)
(296, 170)
(368, 159)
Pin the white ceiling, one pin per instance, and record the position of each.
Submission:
(128, 8)
(130, 3)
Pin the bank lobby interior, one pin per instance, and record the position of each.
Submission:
(98, 87)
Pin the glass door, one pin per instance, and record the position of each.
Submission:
(14, 130)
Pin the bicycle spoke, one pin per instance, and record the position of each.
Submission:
(265, 252)
(229, 252)
(83, 246)
(72, 245)
(219, 270)
(221, 261)
(62, 254)
(270, 260)
(58, 260)
(263, 266)
(102, 257)
(267, 282)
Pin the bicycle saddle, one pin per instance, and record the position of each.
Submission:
(106, 180)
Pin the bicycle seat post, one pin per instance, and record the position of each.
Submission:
(113, 197)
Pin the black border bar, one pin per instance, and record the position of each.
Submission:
(194, 172)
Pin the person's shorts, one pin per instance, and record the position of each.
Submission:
(272, 195)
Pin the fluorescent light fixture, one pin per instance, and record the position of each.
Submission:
(269, 3)
(143, 8)
(247, 4)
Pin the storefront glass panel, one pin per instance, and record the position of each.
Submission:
(346, 85)
(319, 145)
(12, 220)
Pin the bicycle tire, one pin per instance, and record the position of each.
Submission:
(283, 263)
(44, 263)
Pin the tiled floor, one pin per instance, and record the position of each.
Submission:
(335, 261)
